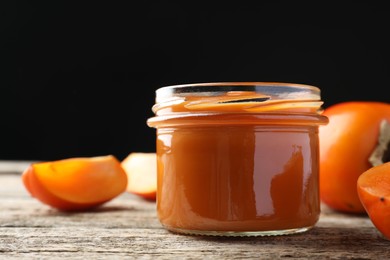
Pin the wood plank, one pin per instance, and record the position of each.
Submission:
(13, 166)
(127, 228)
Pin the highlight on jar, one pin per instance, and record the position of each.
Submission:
(238, 158)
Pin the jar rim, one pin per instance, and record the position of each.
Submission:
(281, 90)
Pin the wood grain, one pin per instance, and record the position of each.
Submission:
(127, 228)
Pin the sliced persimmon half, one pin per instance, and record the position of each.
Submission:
(141, 169)
(76, 183)
(373, 187)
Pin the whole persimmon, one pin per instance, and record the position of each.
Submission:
(75, 183)
(373, 188)
(346, 144)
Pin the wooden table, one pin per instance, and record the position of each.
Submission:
(127, 228)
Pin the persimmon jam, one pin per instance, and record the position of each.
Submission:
(238, 158)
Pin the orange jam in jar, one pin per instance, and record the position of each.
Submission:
(238, 158)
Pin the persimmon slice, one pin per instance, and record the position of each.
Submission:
(141, 169)
(76, 183)
(373, 187)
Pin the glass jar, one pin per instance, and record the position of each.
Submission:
(238, 158)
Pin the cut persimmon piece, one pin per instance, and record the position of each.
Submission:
(373, 188)
(76, 183)
(141, 169)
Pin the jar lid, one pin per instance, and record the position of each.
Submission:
(267, 91)
(208, 101)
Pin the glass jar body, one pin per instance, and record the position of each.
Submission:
(238, 179)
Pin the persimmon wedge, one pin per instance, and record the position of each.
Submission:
(373, 188)
(141, 169)
(76, 183)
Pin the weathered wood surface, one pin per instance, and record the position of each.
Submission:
(127, 228)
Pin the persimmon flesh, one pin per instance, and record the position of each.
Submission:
(76, 183)
(373, 188)
(141, 169)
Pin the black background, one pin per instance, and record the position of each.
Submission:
(78, 79)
